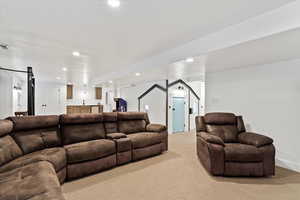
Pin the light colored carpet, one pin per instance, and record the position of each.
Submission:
(178, 175)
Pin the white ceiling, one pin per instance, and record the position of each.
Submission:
(278, 47)
(43, 34)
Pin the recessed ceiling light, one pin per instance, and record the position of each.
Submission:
(137, 74)
(110, 81)
(65, 69)
(114, 3)
(189, 60)
(76, 53)
(58, 78)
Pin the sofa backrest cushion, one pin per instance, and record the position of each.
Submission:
(223, 125)
(110, 120)
(81, 127)
(132, 122)
(9, 150)
(33, 133)
(6, 127)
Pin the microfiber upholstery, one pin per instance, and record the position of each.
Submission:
(110, 122)
(237, 152)
(36, 181)
(38, 153)
(34, 122)
(228, 133)
(81, 128)
(144, 139)
(155, 128)
(254, 139)
(56, 156)
(37, 139)
(225, 148)
(36, 133)
(220, 118)
(132, 126)
(90, 150)
(6, 127)
(81, 119)
(210, 138)
(9, 150)
(113, 136)
(223, 125)
(132, 122)
(123, 144)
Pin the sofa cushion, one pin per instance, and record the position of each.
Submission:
(110, 117)
(242, 153)
(210, 138)
(37, 139)
(111, 127)
(144, 139)
(82, 132)
(81, 118)
(132, 126)
(220, 119)
(90, 150)
(56, 156)
(37, 181)
(228, 133)
(155, 128)
(110, 122)
(132, 122)
(6, 127)
(132, 116)
(9, 150)
(254, 139)
(112, 136)
(34, 122)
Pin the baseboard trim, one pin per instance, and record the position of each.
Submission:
(288, 164)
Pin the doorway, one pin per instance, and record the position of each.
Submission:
(178, 112)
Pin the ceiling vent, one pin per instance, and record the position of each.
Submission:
(4, 46)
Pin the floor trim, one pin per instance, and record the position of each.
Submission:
(288, 164)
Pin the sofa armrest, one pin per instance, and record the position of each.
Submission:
(155, 128)
(115, 136)
(254, 139)
(211, 155)
(210, 138)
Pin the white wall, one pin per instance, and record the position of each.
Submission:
(6, 91)
(12, 100)
(19, 95)
(155, 100)
(268, 97)
(54, 96)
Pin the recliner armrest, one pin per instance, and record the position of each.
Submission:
(254, 139)
(155, 128)
(211, 138)
(115, 136)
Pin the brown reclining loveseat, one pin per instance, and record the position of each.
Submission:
(38, 153)
(225, 148)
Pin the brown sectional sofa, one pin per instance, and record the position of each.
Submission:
(38, 153)
(226, 149)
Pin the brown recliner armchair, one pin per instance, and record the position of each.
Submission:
(226, 149)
